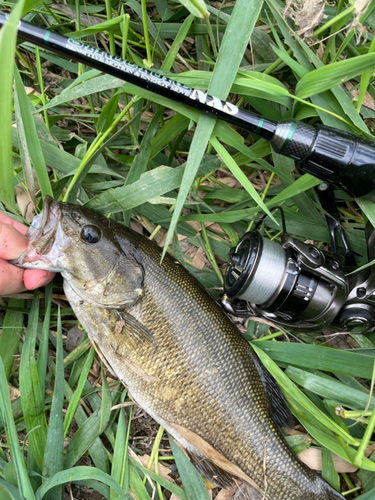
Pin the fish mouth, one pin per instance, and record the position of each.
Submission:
(42, 235)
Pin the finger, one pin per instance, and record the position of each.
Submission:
(34, 278)
(11, 278)
(5, 219)
(12, 242)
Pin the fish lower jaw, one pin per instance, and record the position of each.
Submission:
(32, 260)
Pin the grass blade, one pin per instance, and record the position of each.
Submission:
(76, 474)
(8, 491)
(197, 7)
(330, 389)
(97, 450)
(154, 183)
(83, 439)
(27, 165)
(78, 393)
(328, 470)
(31, 136)
(326, 77)
(120, 466)
(320, 358)
(369, 495)
(140, 163)
(11, 334)
(43, 346)
(53, 455)
(173, 51)
(137, 485)
(179, 492)
(8, 36)
(191, 479)
(237, 172)
(105, 411)
(12, 438)
(31, 395)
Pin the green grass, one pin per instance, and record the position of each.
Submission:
(90, 138)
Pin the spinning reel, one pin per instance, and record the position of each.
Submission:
(299, 286)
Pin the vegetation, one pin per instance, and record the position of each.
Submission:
(85, 137)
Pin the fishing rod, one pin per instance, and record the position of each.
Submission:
(337, 157)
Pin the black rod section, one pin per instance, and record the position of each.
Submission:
(340, 158)
(149, 80)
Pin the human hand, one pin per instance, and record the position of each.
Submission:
(12, 243)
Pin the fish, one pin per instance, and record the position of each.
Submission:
(181, 357)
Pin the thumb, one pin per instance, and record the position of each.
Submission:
(12, 242)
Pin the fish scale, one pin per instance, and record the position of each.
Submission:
(181, 357)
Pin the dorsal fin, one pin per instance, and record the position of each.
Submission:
(278, 407)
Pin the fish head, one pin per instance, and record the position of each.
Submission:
(82, 245)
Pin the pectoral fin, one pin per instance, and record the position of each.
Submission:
(135, 334)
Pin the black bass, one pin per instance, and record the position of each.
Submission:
(182, 359)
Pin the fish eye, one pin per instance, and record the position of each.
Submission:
(91, 234)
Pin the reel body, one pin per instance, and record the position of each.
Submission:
(296, 285)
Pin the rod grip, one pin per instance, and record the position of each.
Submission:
(335, 156)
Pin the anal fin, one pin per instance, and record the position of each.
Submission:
(247, 492)
(213, 456)
(332, 494)
(212, 472)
